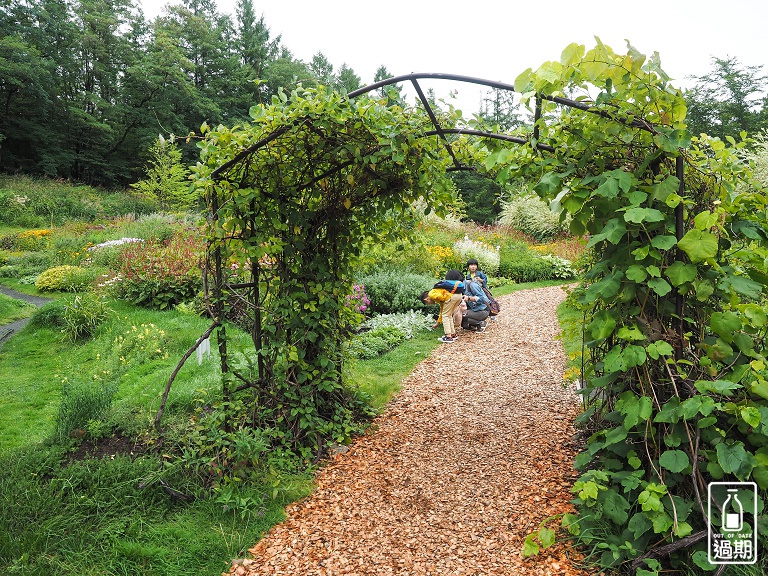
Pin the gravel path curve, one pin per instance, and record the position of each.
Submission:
(471, 455)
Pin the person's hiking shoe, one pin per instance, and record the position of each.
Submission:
(480, 328)
(446, 339)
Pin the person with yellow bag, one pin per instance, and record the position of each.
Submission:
(449, 294)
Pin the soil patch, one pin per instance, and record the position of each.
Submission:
(106, 448)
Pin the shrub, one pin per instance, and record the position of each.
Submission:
(108, 253)
(12, 206)
(49, 316)
(524, 266)
(29, 262)
(82, 314)
(122, 204)
(9, 272)
(486, 256)
(394, 291)
(159, 275)
(154, 227)
(64, 278)
(532, 216)
(167, 177)
(439, 259)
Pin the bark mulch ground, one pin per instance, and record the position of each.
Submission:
(471, 455)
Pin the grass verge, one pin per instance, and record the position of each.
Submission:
(12, 309)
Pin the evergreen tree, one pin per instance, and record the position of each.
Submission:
(166, 177)
(499, 109)
(393, 93)
(346, 80)
(322, 68)
(480, 195)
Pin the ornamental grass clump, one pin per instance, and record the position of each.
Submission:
(532, 216)
(83, 402)
(82, 314)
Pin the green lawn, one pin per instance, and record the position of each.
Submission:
(12, 309)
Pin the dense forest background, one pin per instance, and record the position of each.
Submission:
(86, 87)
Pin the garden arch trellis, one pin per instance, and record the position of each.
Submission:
(247, 294)
(441, 132)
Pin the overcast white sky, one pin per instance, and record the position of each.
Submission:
(500, 39)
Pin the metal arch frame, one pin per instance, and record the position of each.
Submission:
(439, 131)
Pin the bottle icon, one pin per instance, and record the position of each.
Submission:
(733, 513)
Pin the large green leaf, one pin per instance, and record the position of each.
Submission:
(750, 415)
(608, 189)
(659, 348)
(672, 140)
(663, 242)
(548, 184)
(523, 81)
(674, 460)
(613, 231)
(705, 220)
(530, 548)
(755, 314)
(638, 214)
(606, 288)
(717, 386)
(699, 404)
(570, 55)
(741, 285)
(663, 189)
(602, 325)
(615, 507)
(636, 273)
(547, 536)
(734, 459)
(660, 286)
(699, 245)
(725, 324)
(634, 408)
(750, 229)
(679, 273)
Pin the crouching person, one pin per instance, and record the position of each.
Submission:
(477, 306)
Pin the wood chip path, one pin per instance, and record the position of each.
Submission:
(471, 455)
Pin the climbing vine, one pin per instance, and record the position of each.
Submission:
(676, 386)
(294, 197)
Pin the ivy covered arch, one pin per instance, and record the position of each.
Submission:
(674, 328)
